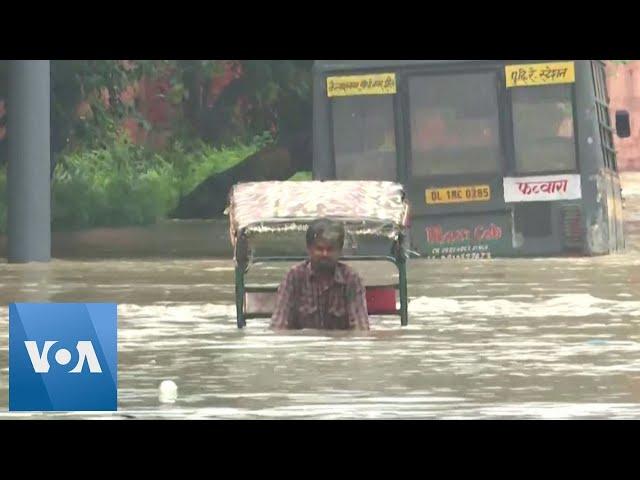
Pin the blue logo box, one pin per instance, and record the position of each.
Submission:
(63, 357)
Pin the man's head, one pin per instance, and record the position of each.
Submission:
(325, 239)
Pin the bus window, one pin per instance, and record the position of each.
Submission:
(543, 129)
(454, 124)
(364, 138)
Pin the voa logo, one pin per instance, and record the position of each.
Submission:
(84, 348)
(63, 357)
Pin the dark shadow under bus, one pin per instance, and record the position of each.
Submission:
(498, 158)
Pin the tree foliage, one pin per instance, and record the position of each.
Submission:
(218, 101)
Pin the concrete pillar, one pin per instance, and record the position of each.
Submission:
(28, 176)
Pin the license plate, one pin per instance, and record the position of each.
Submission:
(471, 193)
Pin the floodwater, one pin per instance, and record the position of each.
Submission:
(506, 338)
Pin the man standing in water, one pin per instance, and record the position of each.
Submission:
(322, 293)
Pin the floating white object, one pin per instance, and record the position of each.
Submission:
(168, 391)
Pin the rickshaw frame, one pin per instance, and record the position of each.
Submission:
(390, 224)
(241, 289)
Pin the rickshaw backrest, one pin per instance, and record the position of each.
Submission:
(260, 302)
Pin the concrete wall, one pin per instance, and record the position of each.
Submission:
(623, 82)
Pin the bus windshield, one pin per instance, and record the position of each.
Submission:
(455, 125)
(543, 129)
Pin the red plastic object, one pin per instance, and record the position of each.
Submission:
(381, 300)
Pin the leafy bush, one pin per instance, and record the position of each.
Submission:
(126, 184)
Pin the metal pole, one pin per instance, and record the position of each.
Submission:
(402, 277)
(28, 178)
(240, 320)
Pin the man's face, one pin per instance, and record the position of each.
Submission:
(324, 255)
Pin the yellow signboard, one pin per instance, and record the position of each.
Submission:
(373, 84)
(532, 74)
(471, 193)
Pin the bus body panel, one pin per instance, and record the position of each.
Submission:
(463, 214)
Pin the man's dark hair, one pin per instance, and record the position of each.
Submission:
(326, 229)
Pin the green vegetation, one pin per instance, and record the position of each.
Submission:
(131, 137)
(127, 184)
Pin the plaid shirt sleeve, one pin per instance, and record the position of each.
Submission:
(357, 306)
(283, 315)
